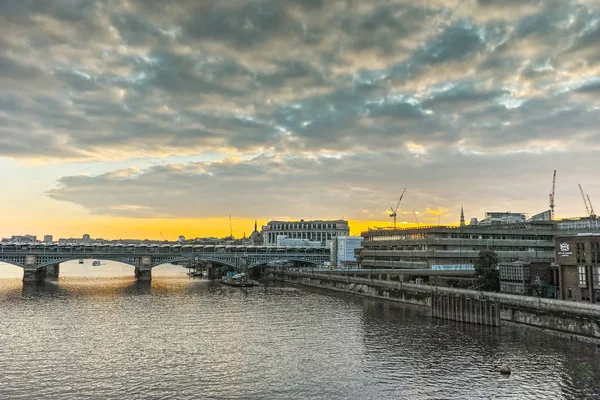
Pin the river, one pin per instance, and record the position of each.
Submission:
(97, 334)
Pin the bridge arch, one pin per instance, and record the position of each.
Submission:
(60, 261)
(12, 263)
(192, 258)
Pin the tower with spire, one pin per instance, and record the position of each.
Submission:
(462, 216)
(256, 238)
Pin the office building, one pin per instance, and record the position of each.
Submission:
(343, 251)
(578, 260)
(445, 247)
(321, 231)
(48, 238)
(529, 278)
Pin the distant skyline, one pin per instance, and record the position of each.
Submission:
(135, 117)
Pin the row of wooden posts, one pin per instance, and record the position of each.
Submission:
(465, 309)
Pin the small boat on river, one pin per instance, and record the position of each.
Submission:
(96, 263)
(238, 280)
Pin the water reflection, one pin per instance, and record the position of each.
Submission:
(190, 338)
(138, 288)
(43, 288)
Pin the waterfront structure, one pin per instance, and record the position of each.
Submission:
(578, 260)
(529, 278)
(343, 249)
(315, 230)
(446, 247)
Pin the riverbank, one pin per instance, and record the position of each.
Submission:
(575, 321)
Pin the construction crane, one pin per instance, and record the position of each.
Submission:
(552, 196)
(394, 212)
(587, 209)
(592, 213)
(416, 219)
(230, 228)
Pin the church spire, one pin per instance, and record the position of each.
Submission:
(462, 216)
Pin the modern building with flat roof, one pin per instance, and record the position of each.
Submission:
(445, 247)
(315, 230)
(529, 278)
(342, 251)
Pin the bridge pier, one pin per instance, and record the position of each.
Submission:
(34, 274)
(52, 271)
(143, 274)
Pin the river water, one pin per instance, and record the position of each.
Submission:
(98, 334)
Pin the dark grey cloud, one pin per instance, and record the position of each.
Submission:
(354, 186)
(150, 78)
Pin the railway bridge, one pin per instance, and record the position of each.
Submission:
(40, 260)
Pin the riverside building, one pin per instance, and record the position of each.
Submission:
(315, 231)
(343, 251)
(578, 260)
(456, 248)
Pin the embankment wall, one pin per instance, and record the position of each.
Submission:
(575, 320)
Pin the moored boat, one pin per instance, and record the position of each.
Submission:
(238, 280)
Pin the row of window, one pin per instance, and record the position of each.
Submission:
(302, 225)
(319, 236)
(415, 236)
(424, 247)
(582, 272)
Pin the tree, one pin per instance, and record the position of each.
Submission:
(486, 272)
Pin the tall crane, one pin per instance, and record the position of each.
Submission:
(416, 218)
(592, 213)
(552, 195)
(587, 209)
(395, 210)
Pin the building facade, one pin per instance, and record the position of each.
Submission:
(497, 218)
(443, 247)
(579, 224)
(578, 260)
(315, 231)
(342, 251)
(529, 278)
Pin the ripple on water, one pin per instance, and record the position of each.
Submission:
(112, 338)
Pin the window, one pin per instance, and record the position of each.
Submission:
(580, 252)
(582, 277)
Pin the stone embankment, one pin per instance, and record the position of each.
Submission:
(574, 320)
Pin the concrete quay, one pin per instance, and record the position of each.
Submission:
(573, 320)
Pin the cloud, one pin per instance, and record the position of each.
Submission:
(294, 80)
(355, 186)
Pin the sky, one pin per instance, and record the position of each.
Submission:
(151, 118)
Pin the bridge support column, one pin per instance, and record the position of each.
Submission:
(34, 274)
(143, 274)
(52, 271)
(31, 273)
